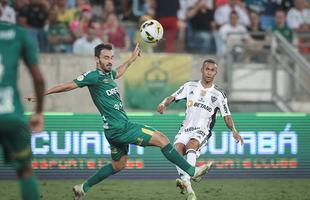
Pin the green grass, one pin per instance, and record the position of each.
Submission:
(244, 189)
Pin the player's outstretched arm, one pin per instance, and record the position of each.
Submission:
(123, 67)
(65, 87)
(230, 124)
(163, 105)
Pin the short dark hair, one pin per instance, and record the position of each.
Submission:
(209, 61)
(101, 46)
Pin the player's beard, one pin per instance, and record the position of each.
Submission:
(105, 68)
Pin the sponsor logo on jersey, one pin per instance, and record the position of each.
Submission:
(191, 129)
(7, 34)
(139, 141)
(200, 132)
(112, 91)
(201, 105)
(213, 99)
(190, 103)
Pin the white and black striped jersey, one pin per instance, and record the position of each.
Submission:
(202, 105)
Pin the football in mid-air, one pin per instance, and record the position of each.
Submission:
(151, 31)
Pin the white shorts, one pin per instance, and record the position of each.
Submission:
(185, 135)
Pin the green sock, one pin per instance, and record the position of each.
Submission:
(101, 174)
(173, 156)
(29, 188)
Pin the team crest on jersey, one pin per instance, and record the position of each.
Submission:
(213, 99)
(139, 141)
(203, 93)
(105, 80)
(80, 78)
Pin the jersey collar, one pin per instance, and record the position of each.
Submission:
(102, 73)
(202, 87)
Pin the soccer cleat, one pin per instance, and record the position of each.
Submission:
(201, 171)
(181, 184)
(78, 192)
(191, 196)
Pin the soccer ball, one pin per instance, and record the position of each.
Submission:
(151, 31)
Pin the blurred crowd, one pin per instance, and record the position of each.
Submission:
(202, 26)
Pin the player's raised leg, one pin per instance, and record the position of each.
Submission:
(160, 140)
(119, 161)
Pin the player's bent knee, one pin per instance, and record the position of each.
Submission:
(162, 139)
(120, 164)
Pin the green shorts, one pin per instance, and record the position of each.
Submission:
(133, 133)
(15, 141)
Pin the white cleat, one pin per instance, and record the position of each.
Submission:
(191, 196)
(201, 171)
(181, 184)
(78, 192)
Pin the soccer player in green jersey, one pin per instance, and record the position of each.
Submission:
(14, 132)
(119, 130)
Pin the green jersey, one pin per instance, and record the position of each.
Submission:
(14, 44)
(105, 96)
(285, 31)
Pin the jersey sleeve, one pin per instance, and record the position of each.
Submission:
(113, 74)
(181, 93)
(87, 79)
(29, 50)
(223, 106)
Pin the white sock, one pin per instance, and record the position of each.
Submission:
(181, 172)
(191, 158)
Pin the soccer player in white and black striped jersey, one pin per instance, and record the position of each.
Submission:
(203, 100)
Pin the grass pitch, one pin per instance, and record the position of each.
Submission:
(242, 189)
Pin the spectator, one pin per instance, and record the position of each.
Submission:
(232, 33)
(86, 44)
(115, 34)
(33, 17)
(201, 21)
(107, 9)
(81, 6)
(7, 12)
(285, 5)
(166, 14)
(65, 15)
(129, 20)
(80, 25)
(222, 13)
(298, 17)
(281, 27)
(255, 28)
(58, 35)
(184, 31)
(218, 3)
(20, 4)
